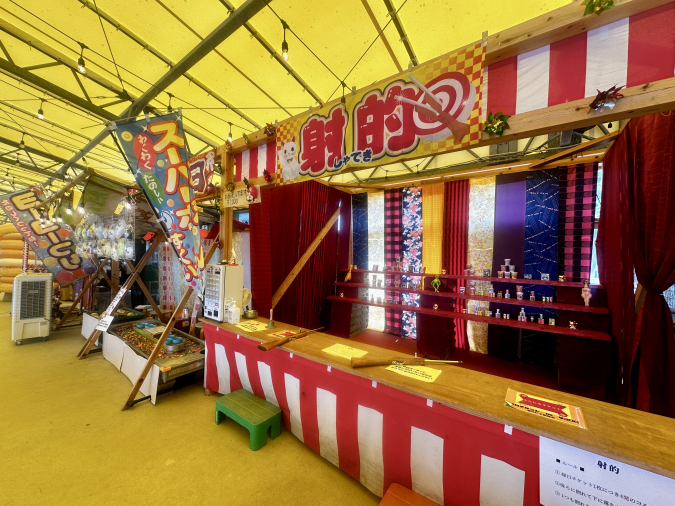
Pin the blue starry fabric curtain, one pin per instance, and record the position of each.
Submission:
(541, 257)
(360, 230)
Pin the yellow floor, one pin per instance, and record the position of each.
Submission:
(64, 440)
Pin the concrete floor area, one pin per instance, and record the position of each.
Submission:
(64, 440)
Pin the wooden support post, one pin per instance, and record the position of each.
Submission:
(91, 281)
(130, 281)
(227, 164)
(114, 278)
(158, 347)
(303, 259)
(640, 295)
(146, 292)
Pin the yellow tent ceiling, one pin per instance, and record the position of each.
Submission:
(146, 34)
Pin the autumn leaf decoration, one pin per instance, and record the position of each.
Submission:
(597, 6)
(606, 99)
(496, 124)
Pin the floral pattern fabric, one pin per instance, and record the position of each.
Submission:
(376, 254)
(481, 243)
(412, 253)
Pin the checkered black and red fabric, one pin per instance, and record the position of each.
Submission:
(578, 192)
(393, 250)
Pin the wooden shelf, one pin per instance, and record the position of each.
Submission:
(520, 281)
(553, 329)
(482, 298)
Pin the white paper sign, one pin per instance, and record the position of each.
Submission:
(568, 475)
(238, 198)
(105, 323)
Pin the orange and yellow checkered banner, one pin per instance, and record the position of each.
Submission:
(433, 109)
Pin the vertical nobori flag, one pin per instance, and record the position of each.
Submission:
(155, 148)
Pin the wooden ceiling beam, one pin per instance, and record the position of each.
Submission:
(556, 25)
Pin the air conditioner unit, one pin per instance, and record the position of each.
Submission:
(31, 306)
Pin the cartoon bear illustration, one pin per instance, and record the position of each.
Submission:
(288, 160)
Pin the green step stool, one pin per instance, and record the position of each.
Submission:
(251, 412)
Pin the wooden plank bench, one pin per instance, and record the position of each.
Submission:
(251, 412)
(398, 495)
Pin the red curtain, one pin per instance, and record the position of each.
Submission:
(637, 231)
(275, 232)
(318, 205)
(455, 244)
(283, 225)
(393, 249)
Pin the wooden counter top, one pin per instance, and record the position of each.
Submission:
(637, 438)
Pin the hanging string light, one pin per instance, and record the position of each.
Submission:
(169, 109)
(80, 61)
(22, 144)
(7, 174)
(229, 136)
(284, 44)
(41, 113)
(17, 163)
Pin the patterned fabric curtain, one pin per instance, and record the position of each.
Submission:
(541, 257)
(576, 220)
(376, 315)
(412, 253)
(393, 249)
(481, 239)
(432, 242)
(360, 230)
(455, 244)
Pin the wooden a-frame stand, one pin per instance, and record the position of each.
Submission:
(86, 287)
(127, 284)
(160, 342)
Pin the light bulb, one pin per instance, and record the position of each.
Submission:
(229, 137)
(284, 49)
(80, 65)
(41, 114)
(80, 210)
(22, 144)
(17, 163)
(7, 175)
(69, 211)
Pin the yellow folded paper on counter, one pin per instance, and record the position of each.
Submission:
(344, 351)
(418, 372)
(252, 326)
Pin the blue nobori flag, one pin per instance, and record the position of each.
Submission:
(155, 148)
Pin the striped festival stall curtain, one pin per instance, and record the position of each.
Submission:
(393, 251)
(253, 162)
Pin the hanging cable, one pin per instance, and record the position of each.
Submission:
(109, 48)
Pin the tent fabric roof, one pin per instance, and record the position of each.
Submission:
(145, 37)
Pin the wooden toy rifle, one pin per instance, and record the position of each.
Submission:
(278, 342)
(367, 362)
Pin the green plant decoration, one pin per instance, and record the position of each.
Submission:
(597, 6)
(496, 124)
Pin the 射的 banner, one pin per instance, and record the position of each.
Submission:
(155, 148)
(432, 109)
(53, 244)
